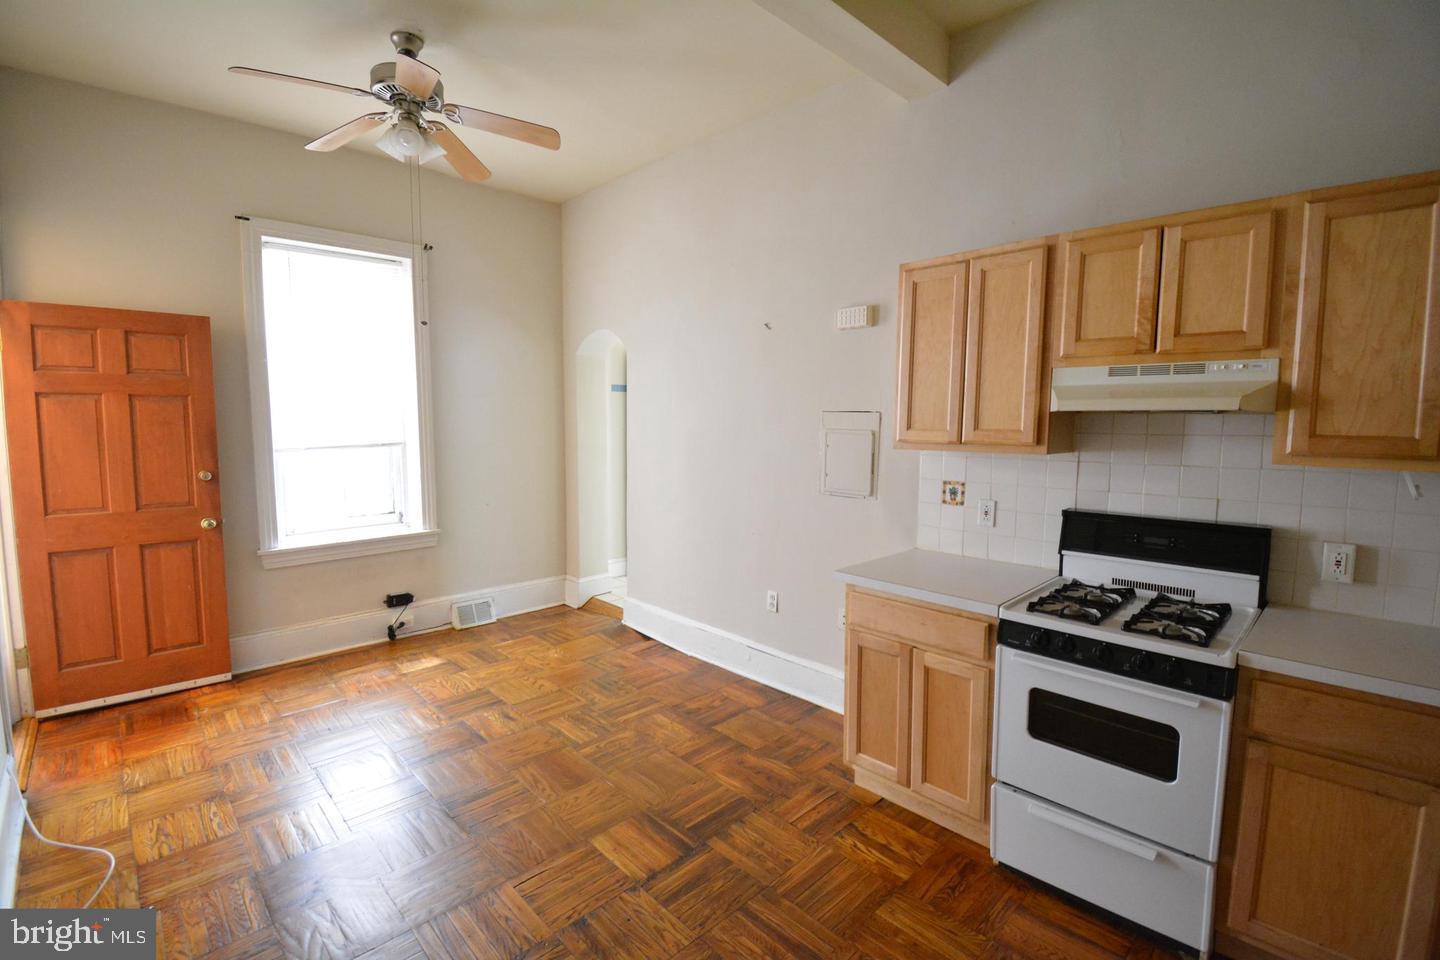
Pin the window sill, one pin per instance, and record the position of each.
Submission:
(275, 557)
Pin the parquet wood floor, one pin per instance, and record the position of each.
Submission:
(553, 785)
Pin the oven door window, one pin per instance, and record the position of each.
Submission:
(1111, 736)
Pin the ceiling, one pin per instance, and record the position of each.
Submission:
(956, 15)
(624, 81)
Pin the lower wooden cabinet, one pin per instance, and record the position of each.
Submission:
(1332, 845)
(917, 707)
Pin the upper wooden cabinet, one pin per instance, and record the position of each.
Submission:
(972, 351)
(932, 353)
(1215, 284)
(1004, 345)
(1109, 301)
(1366, 374)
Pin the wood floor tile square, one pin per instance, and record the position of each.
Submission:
(427, 888)
(461, 775)
(767, 926)
(884, 845)
(528, 841)
(497, 925)
(630, 927)
(557, 772)
(494, 808)
(285, 836)
(703, 889)
(641, 846)
(363, 769)
(593, 807)
(704, 809)
(763, 845)
(903, 928)
(833, 889)
(570, 886)
(412, 835)
(655, 779)
(183, 829)
(203, 921)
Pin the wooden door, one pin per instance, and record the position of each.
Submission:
(1215, 284)
(1333, 860)
(1367, 354)
(950, 732)
(932, 353)
(111, 421)
(1108, 307)
(877, 705)
(1004, 326)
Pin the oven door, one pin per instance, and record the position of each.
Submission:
(1141, 757)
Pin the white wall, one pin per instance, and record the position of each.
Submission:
(1064, 115)
(123, 202)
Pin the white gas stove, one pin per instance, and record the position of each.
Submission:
(1112, 713)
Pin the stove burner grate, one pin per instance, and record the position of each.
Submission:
(1081, 601)
(1184, 620)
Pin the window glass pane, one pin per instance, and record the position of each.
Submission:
(340, 360)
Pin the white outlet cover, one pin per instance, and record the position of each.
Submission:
(1337, 562)
(985, 513)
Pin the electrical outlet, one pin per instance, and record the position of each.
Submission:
(772, 601)
(1337, 562)
(986, 517)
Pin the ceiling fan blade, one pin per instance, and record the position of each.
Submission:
(540, 136)
(305, 81)
(343, 134)
(459, 156)
(419, 78)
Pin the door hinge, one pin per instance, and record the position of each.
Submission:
(22, 658)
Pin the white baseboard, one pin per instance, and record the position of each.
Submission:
(12, 825)
(580, 589)
(815, 682)
(305, 640)
(617, 567)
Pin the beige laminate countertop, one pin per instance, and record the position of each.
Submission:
(1393, 659)
(975, 586)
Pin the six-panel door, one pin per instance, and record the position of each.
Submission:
(1109, 297)
(1366, 380)
(1215, 284)
(950, 732)
(932, 353)
(111, 423)
(877, 705)
(1004, 347)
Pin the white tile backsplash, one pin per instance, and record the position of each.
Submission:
(1203, 466)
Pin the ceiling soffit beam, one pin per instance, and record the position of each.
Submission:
(893, 42)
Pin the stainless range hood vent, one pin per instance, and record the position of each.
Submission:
(1192, 385)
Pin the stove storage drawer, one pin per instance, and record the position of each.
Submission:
(921, 624)
(1146, 882)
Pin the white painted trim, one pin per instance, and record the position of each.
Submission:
(807, 679)
(303, 641)
(12, 826)
(131, 695)
(579, 590)
(360, 547)
(617, 567)
(252, 230)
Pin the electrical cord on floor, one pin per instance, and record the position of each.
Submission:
(396, 625)
(109, 871)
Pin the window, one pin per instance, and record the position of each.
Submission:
(338, 376)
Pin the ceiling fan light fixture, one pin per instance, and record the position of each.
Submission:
(403, 140)
(431, 151)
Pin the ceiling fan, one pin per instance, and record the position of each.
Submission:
(410, 89)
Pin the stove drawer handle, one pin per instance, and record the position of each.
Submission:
(1075, 825)
(1089, 676)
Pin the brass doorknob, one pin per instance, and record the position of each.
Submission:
(209, 523)
(206, 475)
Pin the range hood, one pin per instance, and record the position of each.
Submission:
(1192, 385)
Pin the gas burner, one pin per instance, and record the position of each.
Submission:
(1165, 616)
(1081, 601)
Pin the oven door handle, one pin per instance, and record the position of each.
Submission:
(1086, 829)
(1094, 676)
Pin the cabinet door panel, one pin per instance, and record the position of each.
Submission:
(877, 705)
(1367, 354)
(932, 353)
(1109, 304)
(1215, 284)
(1004, 321)
(950, 732)
(1333, 860)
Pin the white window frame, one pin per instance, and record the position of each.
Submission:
(271, 553)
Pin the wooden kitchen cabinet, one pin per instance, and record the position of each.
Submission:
(877, 705)
(1215, 284)
(1108, 307)
(972, 369)
(1366, 374)
(932, 353)
(917, 707)
(1331, 846)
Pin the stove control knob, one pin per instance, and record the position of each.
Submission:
(1102, 655)
(1038, 640)
(1173, 669)
(1065, 644)
(1140, 663)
